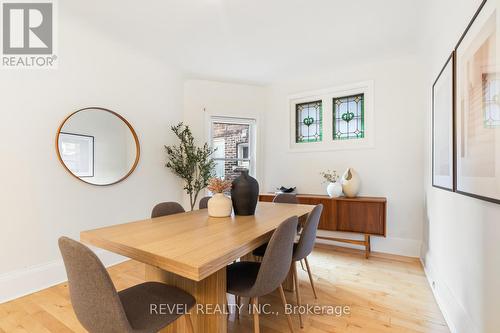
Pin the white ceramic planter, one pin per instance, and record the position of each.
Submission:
(334, 190)
(219, 206)
(351, 183)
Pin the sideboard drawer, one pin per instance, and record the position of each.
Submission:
(361, 216)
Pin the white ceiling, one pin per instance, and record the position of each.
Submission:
(257, 40)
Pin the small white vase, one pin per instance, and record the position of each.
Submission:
(334, 190)
(351, 183)
(219, 206)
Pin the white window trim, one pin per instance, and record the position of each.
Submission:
(252, 137)
(326, 96)
(240, 150)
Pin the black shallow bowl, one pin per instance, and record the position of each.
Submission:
(286, 189)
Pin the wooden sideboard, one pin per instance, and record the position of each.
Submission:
(362, 215)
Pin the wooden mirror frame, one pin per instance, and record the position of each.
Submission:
(134, 134)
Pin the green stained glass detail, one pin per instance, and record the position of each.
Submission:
(309, 122)
(349, 117)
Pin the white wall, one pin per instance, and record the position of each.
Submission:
(39, 200)
(393, 168)
(462, 234)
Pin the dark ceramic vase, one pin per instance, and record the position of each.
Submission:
(244, 194)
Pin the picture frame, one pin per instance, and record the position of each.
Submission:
(77, 153)
(443, 133)
(477, 117)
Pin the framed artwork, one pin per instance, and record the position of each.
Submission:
(77, 153)
(478, 106)
(442, 127)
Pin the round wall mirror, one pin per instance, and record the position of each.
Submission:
(97, 146)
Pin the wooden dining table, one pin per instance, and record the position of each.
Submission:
(191, 251)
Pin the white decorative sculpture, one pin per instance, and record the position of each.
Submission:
(350, 183)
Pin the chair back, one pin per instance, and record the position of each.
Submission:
(308, 235)
(203, 202)
(290, 198)
(166, 208)
(93, 295)
(278, 258)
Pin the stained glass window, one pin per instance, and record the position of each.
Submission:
(309, 122)
(349, 117)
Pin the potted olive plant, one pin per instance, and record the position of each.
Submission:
(191, 163)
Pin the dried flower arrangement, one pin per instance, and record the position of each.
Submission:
(330, 176)
(218, 185)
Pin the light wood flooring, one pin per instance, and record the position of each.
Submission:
(385, 294)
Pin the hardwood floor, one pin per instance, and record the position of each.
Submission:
(384, 293)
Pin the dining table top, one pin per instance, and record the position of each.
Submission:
(193, 244)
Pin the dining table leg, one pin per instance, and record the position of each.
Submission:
(209, 315)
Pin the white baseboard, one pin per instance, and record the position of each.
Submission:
(399, 246)
(454, 313)
(35, 278)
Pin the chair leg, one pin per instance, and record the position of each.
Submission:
(189, 323)
(238, 308)
(297, 291)
(310, 278)
(283, 300)
(256, 326)
(302, 265)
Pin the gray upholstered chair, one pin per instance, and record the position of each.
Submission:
(290, 198)
(255, 279)
(301, 251)
(203, 203)
(166, 208)
(101, 309)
